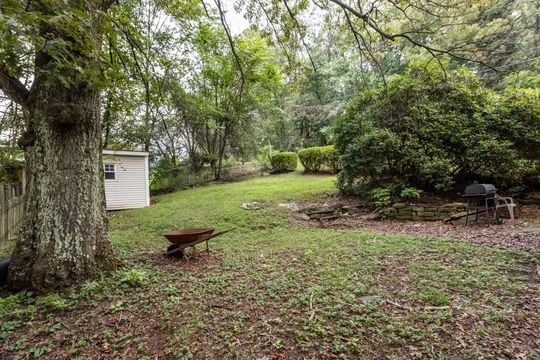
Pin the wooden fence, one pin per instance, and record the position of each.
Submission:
(11, 208)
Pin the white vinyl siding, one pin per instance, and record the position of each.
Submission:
(129, 188)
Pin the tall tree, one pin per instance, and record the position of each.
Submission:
(64, 234)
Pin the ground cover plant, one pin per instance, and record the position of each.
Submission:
(271, 289)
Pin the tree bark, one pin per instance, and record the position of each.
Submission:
(63, 239)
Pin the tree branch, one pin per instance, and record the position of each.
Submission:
(13, 88)
(231, 43)
(308, 51)
(358, 37)
(373, 25)
(276, 34)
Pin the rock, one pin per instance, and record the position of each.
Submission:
(323, 211)
(407, 211)
(253, 205)
(302, 216)
(290, 206)
(370, 298)
(330, 217)
(399, 205)
(454, 205)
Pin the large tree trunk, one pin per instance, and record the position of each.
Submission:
(63, 239)
(64, 235)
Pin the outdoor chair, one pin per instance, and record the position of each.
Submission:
(508, 203)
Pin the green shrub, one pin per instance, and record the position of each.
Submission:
(330, 158)
(380, 198)
(313, 158)
(167, 178)
(410, 193)
(284, 161)
(9, 169)
(438, 132)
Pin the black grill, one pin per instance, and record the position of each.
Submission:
(482, 199)
(480, 190)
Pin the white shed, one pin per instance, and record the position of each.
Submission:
(126, 179)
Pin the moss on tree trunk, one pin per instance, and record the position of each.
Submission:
(64, 234)
(63, 239)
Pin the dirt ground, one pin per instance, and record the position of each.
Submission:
(522, 233)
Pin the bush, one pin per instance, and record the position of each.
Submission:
(433, 132)
(380, 198)
(311, 158)
(9, 170)
(167, 178)
(284, 161)
(314, 158)
(330, 158)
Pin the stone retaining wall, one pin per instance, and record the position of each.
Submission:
(423, 212)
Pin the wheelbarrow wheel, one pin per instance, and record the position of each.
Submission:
(177, 254)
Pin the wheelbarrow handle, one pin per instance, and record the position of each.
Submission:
(217, 234)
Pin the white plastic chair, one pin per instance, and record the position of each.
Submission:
(507, 202)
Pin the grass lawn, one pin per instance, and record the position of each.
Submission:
(272, 290)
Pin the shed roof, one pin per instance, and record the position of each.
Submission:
(125, 152)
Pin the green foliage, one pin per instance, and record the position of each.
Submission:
(434, 296)
(166, 177)
(437, 131)
(311, 158)
(7, 327)
(314, 158)
(517, 119)
(330, 158)
(11, 163)
(380, 198)
(54, 301)
(134, 278)
(21, 303)
(9, 170)
(525, 79)
(410, 193)
(284, 161)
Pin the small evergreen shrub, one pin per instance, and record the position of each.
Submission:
(313, 158)
(330, 158)
(284, 161)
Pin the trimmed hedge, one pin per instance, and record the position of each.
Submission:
(330, 158)
(314, 158)
(284, 161)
